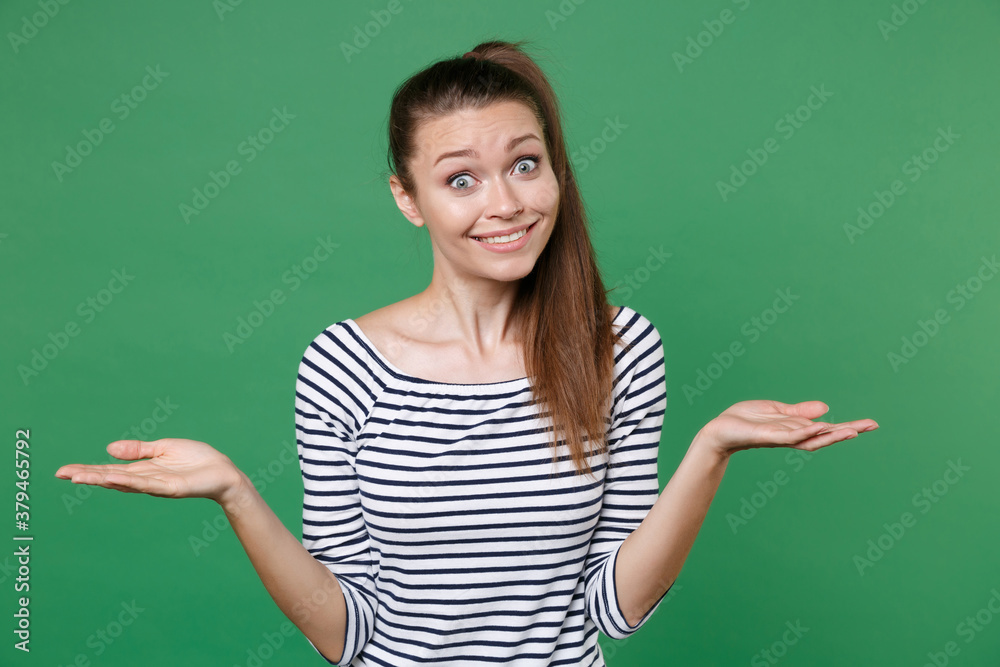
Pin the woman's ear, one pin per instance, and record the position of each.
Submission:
(405, 202)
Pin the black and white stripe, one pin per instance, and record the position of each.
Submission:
(454, 537)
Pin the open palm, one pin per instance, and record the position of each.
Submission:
(761, 423)
(174, 468)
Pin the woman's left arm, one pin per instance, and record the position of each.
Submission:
(652, 555)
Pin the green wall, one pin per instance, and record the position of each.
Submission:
(890, 108)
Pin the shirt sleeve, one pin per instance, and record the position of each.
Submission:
(330, 408)
(631, 485)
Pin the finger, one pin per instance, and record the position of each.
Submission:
(139, 483)
(68, 471)
(127, 483)
(130, 450)
(118, 480)
(859, 425)
(826, 439)
(89, 477)
(107, 481)
(797, 435)
(809, 409)
(119, 487)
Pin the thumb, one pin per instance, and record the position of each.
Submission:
(130, 450)
(810, 409)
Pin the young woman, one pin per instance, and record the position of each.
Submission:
(479, 460)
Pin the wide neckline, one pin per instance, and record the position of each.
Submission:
(399, 373)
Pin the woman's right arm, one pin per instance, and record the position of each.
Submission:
(306, 591)
(303, 588)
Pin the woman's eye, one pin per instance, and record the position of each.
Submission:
(530, 158)
(464, 182)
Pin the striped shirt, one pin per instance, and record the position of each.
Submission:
(453, 536)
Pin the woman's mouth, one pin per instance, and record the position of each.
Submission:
(506, 243)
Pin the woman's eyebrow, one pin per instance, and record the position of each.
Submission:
(470, 152)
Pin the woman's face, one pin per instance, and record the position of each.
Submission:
(480, 174)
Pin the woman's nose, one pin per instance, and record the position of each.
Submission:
(503, 200)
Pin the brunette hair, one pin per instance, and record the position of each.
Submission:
(560, 312)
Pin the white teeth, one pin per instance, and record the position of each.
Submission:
(502, 239)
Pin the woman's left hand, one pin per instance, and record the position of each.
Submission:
(752, 424)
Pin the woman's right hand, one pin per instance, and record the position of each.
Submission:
(174, 468)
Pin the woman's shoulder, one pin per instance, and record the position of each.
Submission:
(633, 325)
(385, 327)
(387, 323)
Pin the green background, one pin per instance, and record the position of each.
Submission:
(654, 187)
